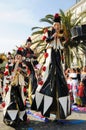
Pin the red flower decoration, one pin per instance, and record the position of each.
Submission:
(43, 38)
(24, 90)
(3, 104)
(40, 82)
(6, 73)
(44, 68)
(45, 54)
(7, 66)
(6, 89)
(28, 71)
(56, 15)
(20, 48)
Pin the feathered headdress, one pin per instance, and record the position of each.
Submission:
(19, 51)
(57, 18)
(28, 40)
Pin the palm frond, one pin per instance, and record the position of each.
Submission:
(49, 16)
(37, 32)
(82, 49)
(46, 20)
(37, 28)
(83, 46)
(62, 13)
(37, 41)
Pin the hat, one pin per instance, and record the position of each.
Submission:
(57, 18)
(20, 51)
(28, 40)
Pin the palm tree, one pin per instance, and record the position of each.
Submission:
(67, 25)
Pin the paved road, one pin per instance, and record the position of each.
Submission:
(35, 124)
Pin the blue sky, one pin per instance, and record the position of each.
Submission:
(17, 17)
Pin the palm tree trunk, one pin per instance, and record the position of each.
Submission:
(67, 57)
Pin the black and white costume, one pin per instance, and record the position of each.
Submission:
(52, 93)
(14, 108)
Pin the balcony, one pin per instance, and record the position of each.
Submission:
(79, 33)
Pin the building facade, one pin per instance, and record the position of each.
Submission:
(77, 9)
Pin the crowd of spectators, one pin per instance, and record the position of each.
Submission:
(76, 81)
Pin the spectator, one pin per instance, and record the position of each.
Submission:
(74, 83)
(80, 93)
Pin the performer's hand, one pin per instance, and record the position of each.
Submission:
(19, 69)
(55, 35)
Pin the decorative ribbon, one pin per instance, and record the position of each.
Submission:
(40, 117)
(78, 109)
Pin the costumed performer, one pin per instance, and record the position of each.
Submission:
(14, 108)
(31, 62)
(52, 95)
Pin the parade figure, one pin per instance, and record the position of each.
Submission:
(30, 60)
(3, 59)
(52, 94)
(14, 109)
(1, 84)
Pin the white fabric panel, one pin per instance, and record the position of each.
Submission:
(5, 109)
(38, 88)
(21, 114)
(12, 114)
(63, 102)
(47, 103)
(39, 98)
(4, 112)
(69, 105)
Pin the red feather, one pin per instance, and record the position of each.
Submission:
(3, 104)
(43, 38)
(45, 54)
(20, 48)
(40, 82)
(6, 89)
(6, 73)
(56, 15)
(24, 90)
(28, 71)
(44, 68)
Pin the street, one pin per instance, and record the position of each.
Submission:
(74, 121)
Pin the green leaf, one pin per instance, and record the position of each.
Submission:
(46, 20)
(37, 28)
(37, 32)
(49, 16)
